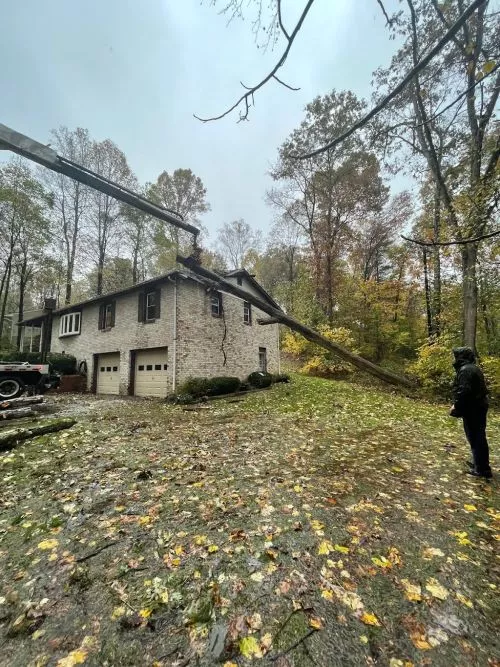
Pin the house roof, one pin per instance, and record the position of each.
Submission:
(243, 273)
(187, 275)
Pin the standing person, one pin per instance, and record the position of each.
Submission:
(471, 404)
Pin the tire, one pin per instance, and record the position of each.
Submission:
(11, 387)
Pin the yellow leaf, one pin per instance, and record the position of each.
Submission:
(257, 576)
(342, 550)
(394, 556)
(179, 550)
(413, 592)
(213, 548)
(420, 641)
(363, 639)
(144, 520)
(430, 552)
(145, 613)
(470, 508)
(76, 657)
(271, 568)
(328, 595)
(200, 540)
(489, 66)
(297, 488)
(315, 623)
(229, 664)
(382, 562)
(118, 612)
(48, 544)
(461, 598)
(325, 547)
(175, 562)
(249, 648)
(369, 619)
(436, 589)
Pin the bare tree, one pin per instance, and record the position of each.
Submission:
(235, 240)
(71, 198)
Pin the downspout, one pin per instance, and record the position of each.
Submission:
(174, 351)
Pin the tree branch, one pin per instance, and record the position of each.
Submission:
(245, 98)
(284, 84)
(381, 5)
(449, 35)
(448, 243)
(280, 21)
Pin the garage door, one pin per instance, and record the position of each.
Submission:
(108, 373)
(151, 372)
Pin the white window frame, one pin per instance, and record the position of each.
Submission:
(263, 359)
(247, 313)
(70, 324)
(148, 306)
(216, 304)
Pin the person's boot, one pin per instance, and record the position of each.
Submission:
(484, 475)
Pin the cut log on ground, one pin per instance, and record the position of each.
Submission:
(219, 283)
(16, 414)
(10, 438)
(18, 402)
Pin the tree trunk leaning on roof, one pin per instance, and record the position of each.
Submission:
(363, 364)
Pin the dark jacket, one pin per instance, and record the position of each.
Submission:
(469, 390)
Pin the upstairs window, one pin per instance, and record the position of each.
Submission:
(70, 324)
(149, 305)
(107, 315)
(247, 312)
(216, 304)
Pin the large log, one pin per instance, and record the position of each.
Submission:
(217, 282)
(10, 438)
(22, 400)
(16, 414)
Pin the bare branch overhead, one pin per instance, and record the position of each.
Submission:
(431, 244)
(448, 36)
(245, 99)
(384, 12)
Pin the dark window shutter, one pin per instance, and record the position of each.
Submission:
(221, 305)
(142, 307)
(157, 303)
(102, 310)
(113, 311)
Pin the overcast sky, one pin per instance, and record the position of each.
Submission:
(135, 71)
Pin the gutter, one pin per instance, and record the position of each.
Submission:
(174, 351)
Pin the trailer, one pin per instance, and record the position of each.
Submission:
(18, 377)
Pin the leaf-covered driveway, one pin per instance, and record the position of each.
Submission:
(318, 523)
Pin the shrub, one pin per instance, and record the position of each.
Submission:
(194, 387)
(223, 385)
(280, 377)
(433, 366)
(260, 380)
(60, 363)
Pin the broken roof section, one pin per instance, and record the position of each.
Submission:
(176, 273)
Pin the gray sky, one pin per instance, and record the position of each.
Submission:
(135, 71)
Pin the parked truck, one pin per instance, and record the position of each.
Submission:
(18, 377)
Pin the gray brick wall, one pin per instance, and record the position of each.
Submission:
(200, 336)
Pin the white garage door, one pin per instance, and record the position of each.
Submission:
(151, 372)
(108, 373)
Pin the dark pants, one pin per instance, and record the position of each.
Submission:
(475, 431)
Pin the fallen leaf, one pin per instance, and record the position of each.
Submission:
(76, 657)
(257, 576)
(328, 595)
(382, 562)
(249, 648)
(48, 544)
(430, 552)
(325, 548)
(470, 508)
(341, 549)
(369, 619)
(316, 623)
(461, 598)
(413, 592)
(436, 589)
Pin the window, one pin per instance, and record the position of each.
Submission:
(149, 306)
(70, 324)
(102, 369)
(108, 369)
(263, 359)
(157, 367)
(141, 368)
(149, 367)
(115, 368)
(247, 312)
(216, 304)
(107, 316)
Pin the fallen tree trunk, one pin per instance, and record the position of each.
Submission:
(363, 364)
(23, 400)
(9, 439)
(17, 414)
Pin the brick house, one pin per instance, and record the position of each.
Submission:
(147, 339)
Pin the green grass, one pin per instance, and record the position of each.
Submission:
(216, 526)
